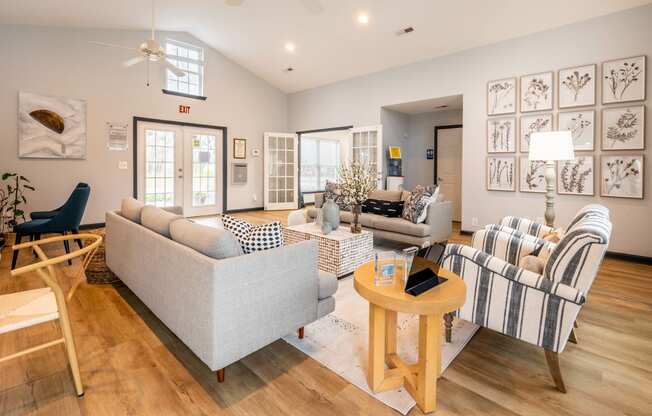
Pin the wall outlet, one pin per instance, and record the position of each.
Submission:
(474, 221)
(254, 197)
(123, 165)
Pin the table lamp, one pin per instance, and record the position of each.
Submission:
(550, 147)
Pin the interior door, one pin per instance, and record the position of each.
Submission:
(367, 147)
(281, 171)
(449, 167)
(202, 181)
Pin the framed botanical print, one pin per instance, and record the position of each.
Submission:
(532, 124)
(581, 124)
(501, 96)
(501, 135)
(576, 177)
(576, 86)
(623, 128)
(623, 80)
(532, 175)
(622, 176)
(501, 173)
(536, 92)
(239, 148)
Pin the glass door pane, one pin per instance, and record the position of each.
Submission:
(159, 167)
(204, 175)
(280, 168)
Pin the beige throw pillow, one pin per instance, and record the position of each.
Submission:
(131, 209)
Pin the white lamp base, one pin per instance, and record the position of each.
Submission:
(550, 193)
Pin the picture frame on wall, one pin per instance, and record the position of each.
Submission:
(239, 148)
(501, 96)
(624, 80)
(622, 176)
(532, 175)
(576, 177)
(537, 92)
(576, 86)
(581, 124)
(532, 124)
(501, 173)
(501, 135)
(623, 128)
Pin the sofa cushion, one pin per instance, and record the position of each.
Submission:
(311, 212)
(366, 220)
(157, 220)
(383, 207)
(254, 237)
(131, 208)
(217, 243)
(401, 226)
(415, 203)
(327, 284)
(385, 195)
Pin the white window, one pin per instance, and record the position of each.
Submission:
(189, 58)
(320, 159)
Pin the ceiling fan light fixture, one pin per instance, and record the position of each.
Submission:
(290, 47)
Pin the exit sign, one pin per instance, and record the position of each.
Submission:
(184, 109)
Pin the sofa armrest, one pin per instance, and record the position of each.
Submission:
(440, 220)
(527, 226)
(507, 246)
(319, 199)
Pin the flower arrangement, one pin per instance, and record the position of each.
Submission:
(355, 183)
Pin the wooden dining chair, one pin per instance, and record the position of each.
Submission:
(21, 310)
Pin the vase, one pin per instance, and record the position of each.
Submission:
(356, 228)
(331, 214)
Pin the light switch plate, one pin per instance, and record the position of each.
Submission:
(123, 165)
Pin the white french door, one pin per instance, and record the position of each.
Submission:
(280, 167)
(182, 166)
(367, 147)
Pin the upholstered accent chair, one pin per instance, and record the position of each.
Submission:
(537, 308)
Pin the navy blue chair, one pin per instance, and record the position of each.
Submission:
(43, 215)
(64, 220)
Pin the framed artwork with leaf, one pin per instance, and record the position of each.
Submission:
(576, 177)
(624, 80)
(533, 124)
(622, 176)
(537, 92)
(623, 128)
(501, 135)
(501, 96)
(501, 173)
(533, 175)
(576, 86)
(581, 124)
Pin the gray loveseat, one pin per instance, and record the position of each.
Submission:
(222, 309)
(436, 229)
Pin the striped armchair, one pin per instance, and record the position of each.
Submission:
(537, 308)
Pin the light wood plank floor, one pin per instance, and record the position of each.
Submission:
(131, 364)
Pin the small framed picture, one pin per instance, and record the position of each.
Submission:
(239, 148)
(576, 86)
(622, 176)
(501, 96)
(581, 124)
(532, 124)
(623, 80)
(623, 128)
(576, 177)
(501, 135)
(501, 173)
(532, 178)
(537, 92)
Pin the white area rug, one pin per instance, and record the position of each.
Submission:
(339, 342)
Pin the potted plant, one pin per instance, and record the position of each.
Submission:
(355, 183)
(11, 200)
(4, 201)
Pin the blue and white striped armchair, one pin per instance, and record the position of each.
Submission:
(537, 308)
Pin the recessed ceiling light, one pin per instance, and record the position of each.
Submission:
(290, 47)
(363, 18)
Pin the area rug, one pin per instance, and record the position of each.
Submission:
(339, 342)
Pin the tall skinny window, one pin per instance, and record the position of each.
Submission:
(320, 159)
(189, 58)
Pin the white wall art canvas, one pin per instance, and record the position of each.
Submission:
(533, 124)
(501, 135)
(501, 173)
(623, 128)
(576, 177)
(501, 96)
(623, 80)
(576, 86)
(537, 92)
(622, 176)
(532, 178)
(581, 124)
(51, 127)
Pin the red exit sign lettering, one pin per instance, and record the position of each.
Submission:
(184, 109)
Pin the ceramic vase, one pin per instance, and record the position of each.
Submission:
(330, 215)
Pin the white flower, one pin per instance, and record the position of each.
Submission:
(356, 181)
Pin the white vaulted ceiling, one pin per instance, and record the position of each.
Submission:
(331, 45)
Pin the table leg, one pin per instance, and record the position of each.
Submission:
(430, 328)
(390, 335)
(377, 329)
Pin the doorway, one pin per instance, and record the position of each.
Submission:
(448, 165)
(180, 164)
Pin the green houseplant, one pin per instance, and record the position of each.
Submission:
(12, 198)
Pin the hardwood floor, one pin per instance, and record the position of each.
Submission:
(131, 364)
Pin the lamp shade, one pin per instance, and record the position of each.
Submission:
(551, 145)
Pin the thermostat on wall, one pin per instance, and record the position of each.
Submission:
(255, 152)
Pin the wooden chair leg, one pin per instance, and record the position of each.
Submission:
(448, 323)
(572, 337)
(220, 375)
(301, 333)
(553, 365)
(64, 321)
(14, 259)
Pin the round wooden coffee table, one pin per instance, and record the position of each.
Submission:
(419, 379)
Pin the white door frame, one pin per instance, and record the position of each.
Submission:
(266, 166)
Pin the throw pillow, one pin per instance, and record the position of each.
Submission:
(423, 204)
(332, 191)
(131, 208)
(411, 209)
(391, 209)
(532, 263)
(254, 237)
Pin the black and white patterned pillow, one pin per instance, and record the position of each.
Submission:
(254, 237)
(391, 209)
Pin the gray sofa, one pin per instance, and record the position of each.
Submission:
(222, 309)
(436, 229)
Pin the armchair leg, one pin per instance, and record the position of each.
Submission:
(301, 333)
(77, 240)
(14, 259)
(220, 375)
(66, 245)
(448, 323)
(572, 337)
(553, 365)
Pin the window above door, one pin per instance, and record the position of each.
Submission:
(189, 58)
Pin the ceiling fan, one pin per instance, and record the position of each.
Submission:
(149, 51)
(313, 6)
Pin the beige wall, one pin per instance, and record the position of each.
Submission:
(358, 101)
(61, 62)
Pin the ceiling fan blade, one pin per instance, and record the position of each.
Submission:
(133, 61)
(234, 3)
(313, 6)
(111, 45)
(176, 71)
